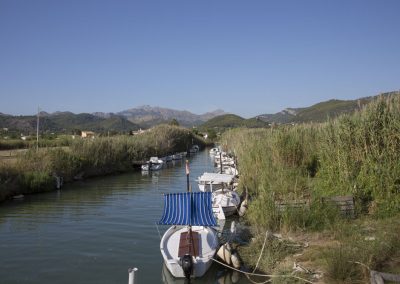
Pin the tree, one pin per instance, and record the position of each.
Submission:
(211, 134)
(174, 122)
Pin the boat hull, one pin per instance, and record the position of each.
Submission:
(170, 244)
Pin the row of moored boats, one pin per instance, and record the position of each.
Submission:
(156, 164)
(191, 242)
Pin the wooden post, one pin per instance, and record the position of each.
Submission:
(220, 161)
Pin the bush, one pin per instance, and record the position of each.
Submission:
(33, 182)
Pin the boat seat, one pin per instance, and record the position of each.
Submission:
(189, 244)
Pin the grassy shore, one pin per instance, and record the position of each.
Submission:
(354, 155)
(34, 171)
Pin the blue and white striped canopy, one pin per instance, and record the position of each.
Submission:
(188, 208)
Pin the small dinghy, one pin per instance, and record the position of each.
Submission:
(154, 164)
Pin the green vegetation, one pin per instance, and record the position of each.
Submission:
(354, 155)
(232, 121)
(322, 111)
(34, 171)
(66, 122)
(14, 144)
(31, 142)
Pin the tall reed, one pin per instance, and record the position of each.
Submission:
(355, 155)
(35, 170)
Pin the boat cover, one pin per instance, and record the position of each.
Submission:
(188, 208)
(215, 178)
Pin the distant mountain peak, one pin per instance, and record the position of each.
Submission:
(147, 115)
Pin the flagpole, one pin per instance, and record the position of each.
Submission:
(187, 175)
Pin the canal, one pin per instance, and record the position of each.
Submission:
(92, 231)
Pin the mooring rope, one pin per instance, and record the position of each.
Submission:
(262, 250)
(262, 275)
(158, 231)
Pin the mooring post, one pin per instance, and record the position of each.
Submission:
(220, 161)
(187, 176)
(131, 272)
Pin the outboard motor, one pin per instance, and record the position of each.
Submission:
(187, 265)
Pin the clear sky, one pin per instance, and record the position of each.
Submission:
(247, 57)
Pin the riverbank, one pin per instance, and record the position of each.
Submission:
(35, 171)
(290, 172)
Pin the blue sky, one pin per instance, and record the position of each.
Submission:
(246, 57)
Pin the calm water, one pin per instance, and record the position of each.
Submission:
(93, 231)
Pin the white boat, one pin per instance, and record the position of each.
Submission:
(215, 181)
(228, 169)
(214, 151)
(190, 244)
(177, 156)
(229, 201)
(154, 164)
(194, 149)
(221, 186)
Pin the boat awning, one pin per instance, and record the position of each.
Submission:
(215, 178)
(188, 208)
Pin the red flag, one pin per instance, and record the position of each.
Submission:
(187, 167)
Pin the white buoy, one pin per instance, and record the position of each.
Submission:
(224, 253)
(233, 227)
(243, 208)
(235, 260)
(131, 272)
(235, 277)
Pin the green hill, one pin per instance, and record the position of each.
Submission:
(320, 112)
(66, 122)
(232, 121)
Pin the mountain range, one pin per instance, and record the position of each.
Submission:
(131, 119)
(147, 116)
(319, 112)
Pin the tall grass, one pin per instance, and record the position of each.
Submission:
(49, 141)
(277, 165)
(360, 155)
(355, 154)
(35, 170)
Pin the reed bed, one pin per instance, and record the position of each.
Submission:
(34, 171)
(354, 155)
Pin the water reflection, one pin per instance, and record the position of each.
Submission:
(153, 174)
(216, 274)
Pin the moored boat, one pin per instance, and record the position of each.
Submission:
(189, 245)
(214, 151)
(229, 201)
(214, 180)
(177, 156)
(154, 164)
